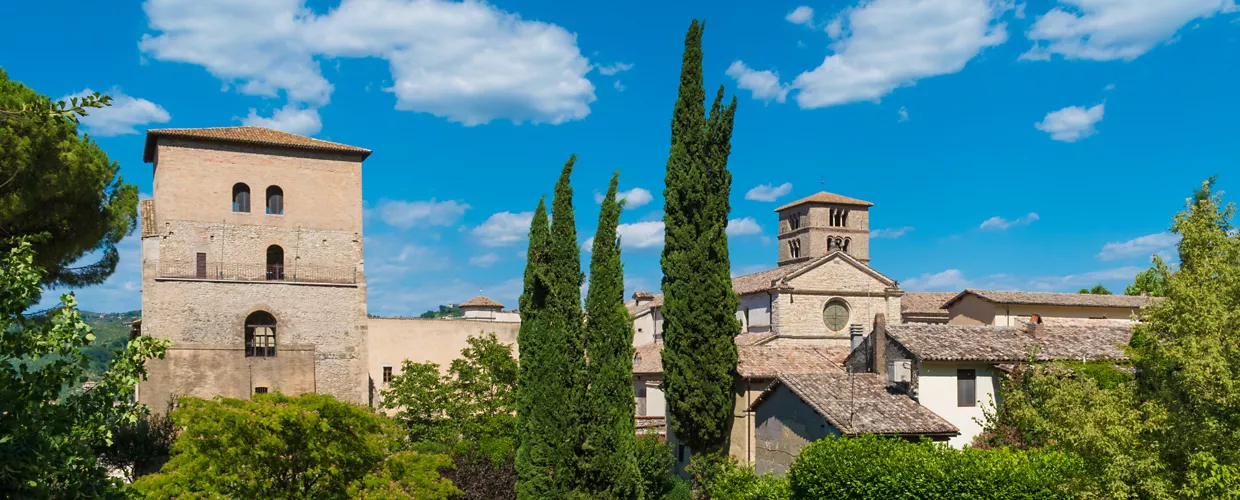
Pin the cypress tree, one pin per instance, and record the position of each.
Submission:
(565, 345)
(699, 322)
(608, 428)
(537, 425)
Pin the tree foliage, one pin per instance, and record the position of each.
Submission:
(1152, 281)
(140, 447)
(57, 184)
(276, 446)
(538, 425)
(870, 467)
(718, 476)
(654, 464)
(1096, 290)
(49, 425)
(1187, 351)
(699, 357)
(468, 410)
(607, 419)
(449, 311)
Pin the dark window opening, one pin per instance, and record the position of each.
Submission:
(966, 388)
(275, 263)
(200, 268)
(275, 200)
(794, 222)
(387, 374)
(680, 453)
(847, 243)
(794, 249)
(260, 390)
(260, 335)
(241, 197)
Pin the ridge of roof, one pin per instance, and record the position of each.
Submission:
(1055, 299)
(860, 403)
(825, 197)
(480, 301)
(989, 343)
(258, 136)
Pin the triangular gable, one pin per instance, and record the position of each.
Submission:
(843, 258)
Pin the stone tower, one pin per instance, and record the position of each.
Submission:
(252, 265)
(817, 225)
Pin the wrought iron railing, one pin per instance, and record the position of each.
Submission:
(237, 271)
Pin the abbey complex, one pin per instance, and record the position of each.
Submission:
(252, 265)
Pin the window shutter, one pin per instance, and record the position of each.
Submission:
(966, 387)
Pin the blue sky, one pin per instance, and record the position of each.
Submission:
(1035, 146)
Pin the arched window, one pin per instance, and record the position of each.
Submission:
(847, 243)
(260, 335)
(241, 197)
(835, 315)
(275, 200)
(275, 263)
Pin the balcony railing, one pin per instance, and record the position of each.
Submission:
(228, 271)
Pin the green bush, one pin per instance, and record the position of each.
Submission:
(881, 468)
(654, 463)
(720, 477)
(680, 491)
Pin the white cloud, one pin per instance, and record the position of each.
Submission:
(633, 198)
(612, 69)
(124, 115)
(903, 112)
(956, 280)
(1104, 30)
(504, 229)
(891, 232)
(291, 118)
(484, 260)
(767, 192)
(801, 15)
(618, 86)
(468, 62)
(640, 234)
(764, 84)
(951, 279)
(1072, 123)
(999, 223)
(389, 260)
(1143, 246)
(881, 45)
(744, 226)
(407, 214)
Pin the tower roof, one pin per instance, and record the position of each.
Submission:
(257, 136)
(825, 197)
(481, 301)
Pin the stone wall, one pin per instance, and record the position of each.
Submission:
(210, 370)
(308, 253)
(798, 312)
(784, 425)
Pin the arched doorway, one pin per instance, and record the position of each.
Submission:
(260, 335)
(275, 263)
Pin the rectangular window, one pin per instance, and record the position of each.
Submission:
(680, 453)
(260, 390)
(201, 266)
(387, 374)
(966, 388)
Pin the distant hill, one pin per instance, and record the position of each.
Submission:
(111, 334)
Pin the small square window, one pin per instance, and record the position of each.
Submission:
(387, 374)
(260, 390)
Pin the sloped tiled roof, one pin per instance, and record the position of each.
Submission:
(861, 403)
(925, 303)
(648, 358)
(759, 281)
(932, 342)
(257, 136)
(754, 338)
(1056, 299)
(481, 301)
(653, 302)
(756, 361)
(825, 197)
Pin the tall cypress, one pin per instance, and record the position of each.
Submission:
(608, 428)
(537, 423)
(699, 308)
(565, 343)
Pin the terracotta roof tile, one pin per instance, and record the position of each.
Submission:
(861, 403)
(653, 302)
(756, 361)
(931, 342)
(481, 301)
(925, 303)
(825, 197)
(1056, 299)
(648, 358)
(257, 136)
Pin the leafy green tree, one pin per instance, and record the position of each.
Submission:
(1096, 290)
(1152, 281)
(654, 463)
(538, 423)
(276, 446)
(451, 311)
(608, 426)
(49, 425)
(57, 184)
(719, 476)
(420, 397)
(699, 311)
(1187, 351)
(140, 447)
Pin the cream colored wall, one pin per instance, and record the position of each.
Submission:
(1007, 315)
(741, 432)
(754, 312)
(936, 390)
(394, 340)
(971, 310)
(193, 181)
(656, 402)
(647, 326)
(799, 312)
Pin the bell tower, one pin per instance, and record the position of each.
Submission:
(822, 223)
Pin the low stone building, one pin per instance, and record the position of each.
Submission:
(800, 408)
(1006, 308)
(924, 307)
(954, 370)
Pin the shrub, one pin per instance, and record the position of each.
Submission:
(718, 476)
(654, 463)
(881, 468)
(480, 477)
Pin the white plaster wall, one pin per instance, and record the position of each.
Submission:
(1007, 315)
(937, 391)
(646, 327)
(758, 319)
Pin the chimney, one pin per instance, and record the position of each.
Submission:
(878, 351)
(1035, 326)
